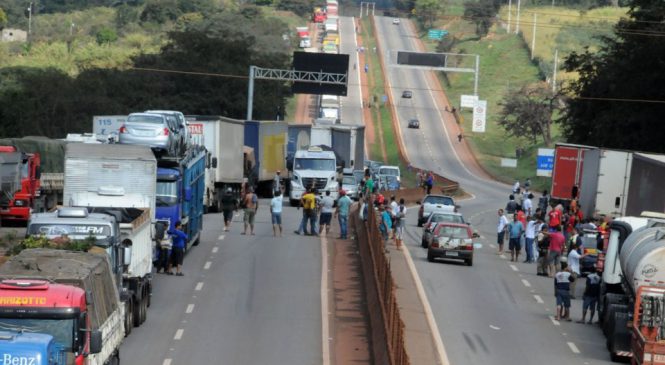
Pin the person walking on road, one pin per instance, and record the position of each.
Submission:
(429, 182)
(562, 281)
(511, 206)
(386, 224)
(276, 205)
(229, 205)
(400, 222)
(326, 205)
(529, 237)
(591, 296)
(557, 243)
(501, 231)
(544, 202)
(277, 182)
(251, 203)
(527, 204)
(543, 249)
(516, 230)
(179, 241)
(342, 214)
(308, 202)
(393, 211)
(573, 261)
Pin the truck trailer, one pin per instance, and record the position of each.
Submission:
(59, 307)
(180, 191)
(268, 139)
(567, 170)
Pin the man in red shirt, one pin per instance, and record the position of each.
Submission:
(557, 242)
(555, 215)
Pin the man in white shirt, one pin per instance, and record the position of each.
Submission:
(327, 203)
(276, 213)
(527, 205)
(530, 236)
(574, 263)
(501, 231)
(393, 211)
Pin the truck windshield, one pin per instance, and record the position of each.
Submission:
(78, 231)
(390, 172)
(62, 330)
(318, 164)
(167, 193)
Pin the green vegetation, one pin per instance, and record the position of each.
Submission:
(60, 243)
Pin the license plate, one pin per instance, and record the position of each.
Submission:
(144, 133)
(452, 253)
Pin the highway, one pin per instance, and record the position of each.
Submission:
(351, 104)
(496, 312)
(243, 300)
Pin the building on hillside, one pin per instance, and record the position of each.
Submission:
(13, 35)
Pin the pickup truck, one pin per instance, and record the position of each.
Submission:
(435, 204)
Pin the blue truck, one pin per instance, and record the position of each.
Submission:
(30, 348)
(180, 190)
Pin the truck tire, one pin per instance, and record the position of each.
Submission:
(144, 305)
(129, 317)
(606, 300)
(139, 311)
(619, 337)
(609, 316)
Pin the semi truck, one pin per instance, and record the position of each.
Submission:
(268, 140)
(633, 261)
(229, 162)
(59, 307)
(315, 169)
(119, 180)
(180, 190)
(567, 170)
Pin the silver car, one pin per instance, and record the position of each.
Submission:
(182, 129)
(152, 130)
(349, 184)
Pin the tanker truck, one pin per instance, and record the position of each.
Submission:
(633, 316)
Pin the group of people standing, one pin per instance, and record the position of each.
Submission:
(170, 244)
(319, 211)
(425, 180)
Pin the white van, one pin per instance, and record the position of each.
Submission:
(386, 170)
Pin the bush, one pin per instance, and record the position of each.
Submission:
(106, 36)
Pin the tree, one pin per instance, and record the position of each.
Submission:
(106, 36)
(427, 11)
(482, 13)
(3, 19)
(160, 11)
(125, 15)
(528, 113)
(298, 7)
(617, 99)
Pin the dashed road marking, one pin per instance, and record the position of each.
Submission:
(554, 321)
(221, 237)
(573, 348)
(167, 362)
(492, 245)
(502, 256)
(199, 286)
(538, 299)
(190, 308)
(178, 334)
(526, 283)
(215, 249)
(514, 267)
(207, 265)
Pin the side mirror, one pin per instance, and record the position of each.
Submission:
(214, 162)
(188, 194)
(457, 206)
(127, 255)
(475, 235)
(95, 342)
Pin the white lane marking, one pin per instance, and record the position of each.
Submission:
(325, 327)
(178, 334)
(190, 308)
(491, 244)
(495, 327)
(573, 348)
(215, 249)
(441, 350)
(526, 283)
(514, 268)
(167, 362)
(554, 321)
(199, 286)
(538, 299)
(207, 265)
(502, 256)
(221, 237)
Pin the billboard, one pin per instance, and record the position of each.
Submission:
(320, 62)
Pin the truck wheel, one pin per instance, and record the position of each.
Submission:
(115, 360)
(138, 311)
(430, 257)
(469, 262)
(619, 336)
(144, 306)
(609, 316)
(129, 317)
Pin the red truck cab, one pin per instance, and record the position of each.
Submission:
(58, 310)
(21, 195)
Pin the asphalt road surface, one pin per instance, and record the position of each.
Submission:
(496, 312)
(351, 104)
(243, 300)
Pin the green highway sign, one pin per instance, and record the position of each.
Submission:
(436, 34)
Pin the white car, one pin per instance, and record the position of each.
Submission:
(396, 21)
(435, 204)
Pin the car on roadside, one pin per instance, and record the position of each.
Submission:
(407, 94)
(434, 203)
(153, 130)
(350, 186)
(396, 21)
(451, 241)
(434, 219)
(414, 123)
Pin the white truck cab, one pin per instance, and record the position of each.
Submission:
(313, 168)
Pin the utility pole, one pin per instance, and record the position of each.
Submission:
(71, 29)
(556, 63)
(510, 11)
(533, 37)
(30, 19)
(517, 18)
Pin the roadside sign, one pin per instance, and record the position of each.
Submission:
(468, 101)
(509, 162)
(545, 162)
(436, 34)
(479, 114)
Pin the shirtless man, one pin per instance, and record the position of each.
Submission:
(251, 203)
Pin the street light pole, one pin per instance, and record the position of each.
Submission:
(30, 19)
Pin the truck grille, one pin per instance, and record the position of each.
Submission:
(318, 183)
